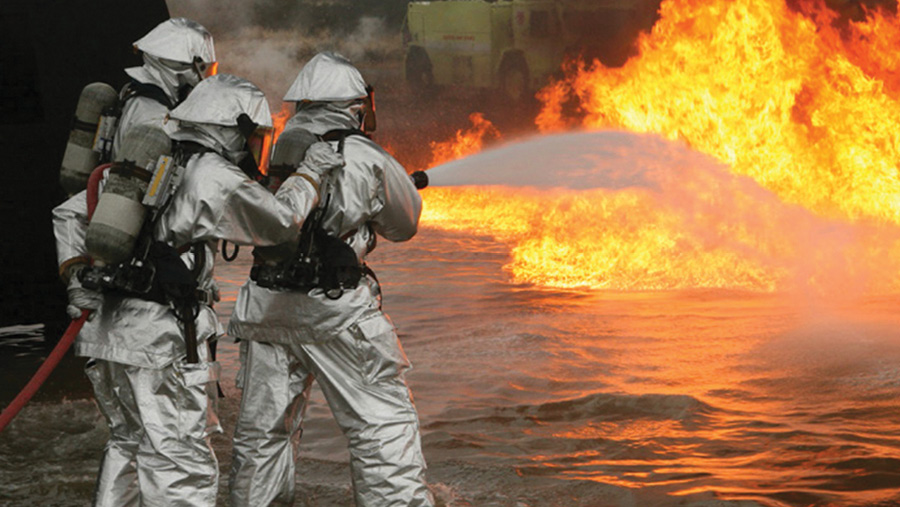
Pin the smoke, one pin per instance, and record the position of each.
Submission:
(218, 16)
(371, 40)
(268, 41)
(268, 58)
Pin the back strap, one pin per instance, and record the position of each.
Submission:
(340, 134)
(136, 88)
(184, 150)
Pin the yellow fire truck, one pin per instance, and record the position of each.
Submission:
(514, 45)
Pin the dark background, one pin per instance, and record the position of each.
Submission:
(49, 50)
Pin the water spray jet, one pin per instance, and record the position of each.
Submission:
(608, 159)
(620, 210)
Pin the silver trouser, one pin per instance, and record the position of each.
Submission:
(160, 421)
(361, 374)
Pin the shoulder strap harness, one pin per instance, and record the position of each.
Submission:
(322, 260)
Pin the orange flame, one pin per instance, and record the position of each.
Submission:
(465, 142)
(594, 239)
(794, 105)
(802, 104)
(279, 120)
(212, 70)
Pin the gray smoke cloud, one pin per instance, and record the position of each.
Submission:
(268, 41)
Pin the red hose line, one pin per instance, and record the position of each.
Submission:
(44, 371)
(59, 351)
(93, 188)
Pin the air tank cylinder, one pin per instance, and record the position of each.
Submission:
(80, 158)
(289, 151)
(119, 216)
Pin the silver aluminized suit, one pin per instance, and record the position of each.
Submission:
(348, 345)
(178, 41)
(160, 409)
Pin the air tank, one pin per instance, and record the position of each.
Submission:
(80, 158)
(119, 216)
(287, 154)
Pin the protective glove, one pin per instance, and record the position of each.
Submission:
(81, 298)
(320, 160)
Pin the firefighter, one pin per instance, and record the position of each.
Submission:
(177, 55)
(158, 403)
(334, 333)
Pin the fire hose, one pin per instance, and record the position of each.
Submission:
(59, 351)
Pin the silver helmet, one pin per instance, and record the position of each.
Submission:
(179, 40)
(327, 77)
(177, 54)
(224, 112)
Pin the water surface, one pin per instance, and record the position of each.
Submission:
(534, 397)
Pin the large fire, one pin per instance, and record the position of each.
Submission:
(801, 103)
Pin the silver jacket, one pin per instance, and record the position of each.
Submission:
(138, 111)
(141, 110)
(371, 194)
(214, 201)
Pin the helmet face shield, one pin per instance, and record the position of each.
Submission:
(208, 69)
(175, 65)
(204, 69)
(200, 69)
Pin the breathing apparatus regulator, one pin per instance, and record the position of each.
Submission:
(91, 137)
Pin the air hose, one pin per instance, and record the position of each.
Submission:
(59, 351)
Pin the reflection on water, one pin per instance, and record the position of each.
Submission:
(774, 398)
(22, 350)
(530, 397)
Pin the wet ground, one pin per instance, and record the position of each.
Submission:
(532, 397)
